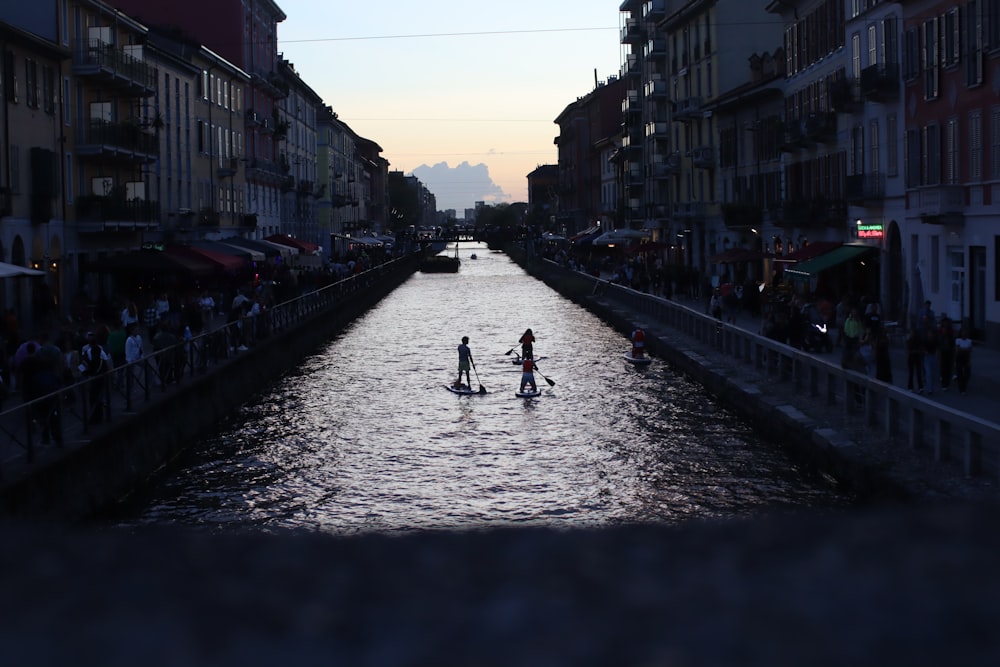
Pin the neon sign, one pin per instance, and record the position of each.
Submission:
(870, 230)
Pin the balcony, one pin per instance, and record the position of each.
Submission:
(227, 167)
(632, 32)
(742, 215)
(821, 127)
(633, 177)
(703, 157)
(655, 48)
(941, 205)
(658, 130)
(657, 89)
(93, 208)
(632, 67)
(880, 83)
(270, 83)
(99, 61)
(654, 10)
(122, 141)
(630, 103)
(862, 188)
(689, 107)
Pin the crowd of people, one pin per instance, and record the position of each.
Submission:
(101, 336)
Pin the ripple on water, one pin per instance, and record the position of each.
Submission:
(363, 436)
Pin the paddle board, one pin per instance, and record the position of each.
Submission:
(527, 393)
(517, 361)
(638, 361)
(464, 390)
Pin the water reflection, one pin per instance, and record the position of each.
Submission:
(363, 436)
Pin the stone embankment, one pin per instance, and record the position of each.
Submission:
(837, 442)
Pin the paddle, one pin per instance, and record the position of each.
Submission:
(482, 389)
(552, 383)
(507, 353)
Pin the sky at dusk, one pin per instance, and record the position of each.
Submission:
(468, 90)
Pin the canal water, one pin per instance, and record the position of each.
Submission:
(363, 435)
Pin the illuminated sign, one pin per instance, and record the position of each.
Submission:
(870, 231)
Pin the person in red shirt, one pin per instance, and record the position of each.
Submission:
(528, 374)
(638, 343)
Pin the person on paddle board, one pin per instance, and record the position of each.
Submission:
(464, 362)
(528, 374)
(526, 340)
(638, 343)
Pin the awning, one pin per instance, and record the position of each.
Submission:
(845, 253)
(620, 236)
(303, 246)
(255, 255)
(594, 231)
(268, 250)
(226, 262)
(13, 270)
(150, 262)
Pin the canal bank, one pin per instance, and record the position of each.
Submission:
(97, 466)
(876, 440)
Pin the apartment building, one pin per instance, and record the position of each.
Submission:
(952, 164)
(296, 133)
(589, 129)
(32, 204)
(245, 33)
(199, 179)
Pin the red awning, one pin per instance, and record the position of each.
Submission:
(231, 263)
(303, 246)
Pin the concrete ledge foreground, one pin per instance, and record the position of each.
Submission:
(886, 587)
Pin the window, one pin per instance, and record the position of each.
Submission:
(10, 78)
(951, 152)
(950, 38)
(856, 56)
(872, 46)
(991, 12)
(891, 146)
(931, 155)
(911, 55)
(973, 44)
(888, 55)
(929, 58)
(976, 145)
(31, 83)
(857, 150)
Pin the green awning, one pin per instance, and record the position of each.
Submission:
(808, 269)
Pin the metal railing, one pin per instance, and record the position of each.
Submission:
(72, 412)
(903, 418)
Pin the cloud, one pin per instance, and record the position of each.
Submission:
(461, 186)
